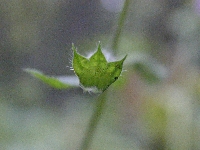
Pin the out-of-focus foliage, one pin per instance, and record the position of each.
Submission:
(161, 39)
(54, 82)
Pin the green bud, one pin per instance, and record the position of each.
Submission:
(96, 74)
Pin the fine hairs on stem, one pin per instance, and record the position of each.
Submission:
(101, 99)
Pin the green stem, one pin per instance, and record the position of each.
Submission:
(120, 25)
(100, 105)
(101, 101)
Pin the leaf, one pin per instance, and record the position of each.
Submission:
(58, 83)
(146, 72)
(147, 67)
(95, 73)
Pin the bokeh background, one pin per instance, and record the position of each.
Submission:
(153, 106)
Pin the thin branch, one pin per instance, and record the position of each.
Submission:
(101, 101)
(120, 25)
(100, 105)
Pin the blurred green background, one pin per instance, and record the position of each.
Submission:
(153, 106)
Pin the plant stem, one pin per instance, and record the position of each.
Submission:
(100, 105)
(120, 25)
(101, 101)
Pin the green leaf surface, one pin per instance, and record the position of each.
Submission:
(96, 73)
(58, 83)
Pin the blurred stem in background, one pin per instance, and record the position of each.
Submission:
(120, 25)
(101, 100)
